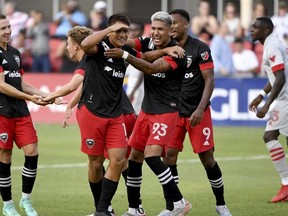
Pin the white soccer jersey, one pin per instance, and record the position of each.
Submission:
(275, 58)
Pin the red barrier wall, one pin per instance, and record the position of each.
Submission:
(49, 83)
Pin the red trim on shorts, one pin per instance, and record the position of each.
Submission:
(79, 71)
(138, 45)
(171, 62)
(206, 66)
(278, 67)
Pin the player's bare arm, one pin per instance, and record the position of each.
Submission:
(89, 43)
(197, 115)
(69, 87)
(174, 51)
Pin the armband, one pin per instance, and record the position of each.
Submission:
(125, 55)
(263, 93)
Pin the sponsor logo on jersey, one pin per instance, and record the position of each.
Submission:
(14, 74)
(90, 143)
(159, 75)
(189, 61)
(17, 59)
(118, 74)
(188, 75)
(272, 59)
(4, 62)
(107, 68)
(4, 137)
(205, 55)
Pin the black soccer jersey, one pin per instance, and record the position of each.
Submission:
(198, 58)
(80, 67)
(126, 104)
(162, 90)
(11, 66)
(103, 82)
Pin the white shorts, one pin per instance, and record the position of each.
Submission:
(278, 117)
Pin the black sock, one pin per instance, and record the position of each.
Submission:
(169, 202)
(109, 188)
(134, 180)
(96, 189)
(5, 181)
(29, 173)
(165, 178)
(124, 175)
(215, 178)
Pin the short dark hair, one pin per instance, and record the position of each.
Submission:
(182, 13)
(2, 16)
(118, 18)
(267, 22)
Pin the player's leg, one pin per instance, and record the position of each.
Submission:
(116, 145)
(162, 127)
(95, 176)
(277, 124)
(174, 146)
(26, 138)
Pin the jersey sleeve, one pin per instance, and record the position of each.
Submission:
(80, 68)
(275, 59)
(175, 62)
(144, 44)
(132, 51)
(205, 58)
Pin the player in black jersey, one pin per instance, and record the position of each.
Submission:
(16, 123)
(195, 117)
(158, 117)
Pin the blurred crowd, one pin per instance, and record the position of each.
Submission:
(43, 45)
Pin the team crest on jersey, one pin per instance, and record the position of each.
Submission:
(4, 137)
(17, 59)
(205, 55)
(189, 61)
(272, 58)
(90, 143)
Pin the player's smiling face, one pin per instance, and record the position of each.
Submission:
(179, 26)
(5, 31)
(119, 37)
(160, 32)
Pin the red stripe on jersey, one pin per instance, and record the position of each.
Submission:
(1, 69)
(278, 67)
(206, 66)
(138, 45)
(171, 62)
(79, 71)
(21, 71)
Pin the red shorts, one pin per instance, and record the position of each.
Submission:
(21, 130)
(201, 136)
(153, 129)
(129, 120)
(99, 133)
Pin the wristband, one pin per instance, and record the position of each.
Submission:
(263, 93)
(125, 55)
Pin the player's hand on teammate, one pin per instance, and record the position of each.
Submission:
(114, 53)
(38, 100)
(175, 52)
(196, 117)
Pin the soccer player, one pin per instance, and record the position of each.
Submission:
(275, 64)
(16, 124)
(158, 117)
(195, 116)
(100, 111)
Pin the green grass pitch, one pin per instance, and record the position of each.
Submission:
(62, 189)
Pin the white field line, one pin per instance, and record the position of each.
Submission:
(57, 166)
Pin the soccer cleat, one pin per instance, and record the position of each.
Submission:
(140, 211)
(10, 210)
(281, 195)
(165, 212)
(106, 213)
(222, 210)
(181, 211)
(26, 205)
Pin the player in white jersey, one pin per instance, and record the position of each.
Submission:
(275, 64)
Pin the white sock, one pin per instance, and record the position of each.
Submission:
(8, 202)
(26, 196)
(277, 154)
(132, 211)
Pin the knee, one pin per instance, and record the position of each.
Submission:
(209, 164)
(96, 165)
